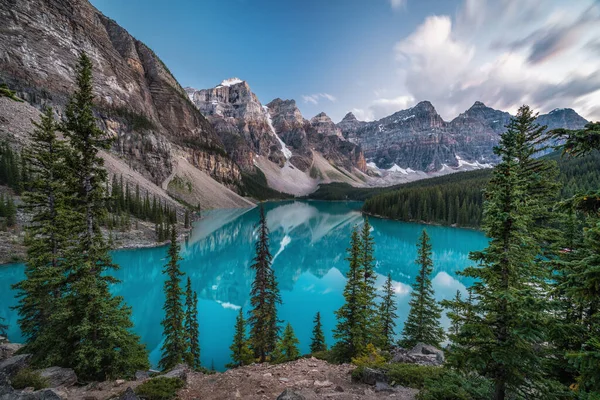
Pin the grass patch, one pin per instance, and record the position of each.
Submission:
(315, 173)
(6, 92)
(28, 378)
(159, 388)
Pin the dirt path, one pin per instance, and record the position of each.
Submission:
(311, 378)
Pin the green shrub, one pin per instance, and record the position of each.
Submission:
(160, 388)
(410, 375)
(27, 378)
(326, 355)
(373, 358)
(454, 386)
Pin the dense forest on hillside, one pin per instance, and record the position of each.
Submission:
(457, 199)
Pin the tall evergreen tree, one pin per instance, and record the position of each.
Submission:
(264, 329)
(241, 354)
(97, 324)
(423, 322)
(174, 345)
(191, 326)
(506, 330)
(317, 343)
(577, 277)
(48, 240)
(387, 314)
(287, 347)
(368, 273)
(351, 329)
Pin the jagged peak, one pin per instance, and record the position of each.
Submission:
(350, 117)
(322, 114)
(478, 104)
(425, 105)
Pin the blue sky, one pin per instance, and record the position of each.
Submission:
(374, 57)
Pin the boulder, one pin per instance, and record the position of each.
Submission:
(383, 387)
(371, 376)
(129, 394)
(12, 365)
(179, 371)
(425, 349)
(57, 376)
(43, 394)
(142, 375)
(289, 394)
(8, 350)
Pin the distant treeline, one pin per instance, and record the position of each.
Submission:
(457, 199)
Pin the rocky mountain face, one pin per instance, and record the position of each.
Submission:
(319, 134)
(138, 100)
(419, 139)
(240, 120)
(277, 131)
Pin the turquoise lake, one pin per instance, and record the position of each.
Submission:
(308, 241)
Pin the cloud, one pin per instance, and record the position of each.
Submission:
(504, 53)
(398, 3)
(315, 98)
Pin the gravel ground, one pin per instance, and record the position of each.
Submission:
(311, 378)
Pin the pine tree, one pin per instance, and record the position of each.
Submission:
(505, 334)
(264, 329)
(97, 324)
(369, 276)
(192, 326)
(351, 329)
(287, 347)
(41, 292)
(423, 322)
(317, 343)
(577, 277)
(387, 314)
(241, 354)
(174, 345)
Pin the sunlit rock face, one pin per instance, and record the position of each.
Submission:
(419, 139)
(137, 98)
(240, 120)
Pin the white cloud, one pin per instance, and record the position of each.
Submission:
(315, 98)
(397, 3)
(504, 53)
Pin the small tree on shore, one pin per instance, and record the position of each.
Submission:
(192, 326)
(387, 314)
(241, 354)
(317, 343)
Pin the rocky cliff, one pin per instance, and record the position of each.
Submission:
(419, 139)
(137, 98)
(241, 121)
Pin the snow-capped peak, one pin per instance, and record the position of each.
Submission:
(230, 82)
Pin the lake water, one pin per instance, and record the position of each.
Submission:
(308, 241)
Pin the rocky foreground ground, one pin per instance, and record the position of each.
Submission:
(303, 379)
(307, 378)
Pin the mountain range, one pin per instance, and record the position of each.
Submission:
(202, 146)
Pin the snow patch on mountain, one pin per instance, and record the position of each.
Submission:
(284, 149)
(230, 82)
